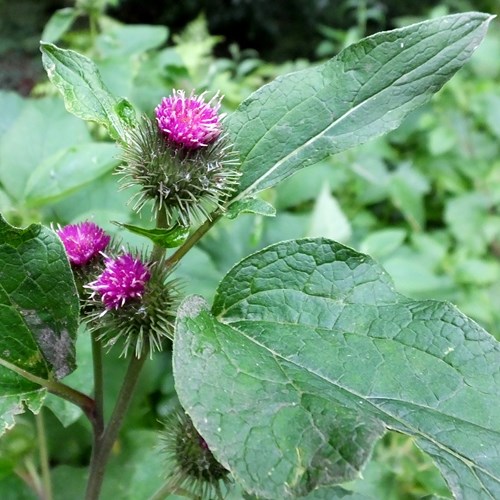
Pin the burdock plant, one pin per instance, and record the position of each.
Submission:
(307, 354)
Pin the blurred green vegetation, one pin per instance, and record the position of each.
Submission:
(423, 201)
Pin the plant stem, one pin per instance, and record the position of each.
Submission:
(44, 456)
(86, 403)
(193, 239)
(31, 477)
(98, 385)
(104, 444)
(161, 222)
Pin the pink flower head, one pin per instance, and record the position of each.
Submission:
(83, 241)
(189, 121)
(123, 278)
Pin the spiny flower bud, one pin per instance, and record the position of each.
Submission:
(83, 241)
(190, 462)
(123, 279)
(187, 175)
(189, 122)
(133, 302)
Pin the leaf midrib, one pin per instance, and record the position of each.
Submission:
(310, 141)
(467, 462)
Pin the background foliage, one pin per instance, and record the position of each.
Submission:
(423, 200)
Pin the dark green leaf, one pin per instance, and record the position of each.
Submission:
(85, 95)
(365, 91)
(39, 309)
(308, 351)
(166, 238)
(81, 379)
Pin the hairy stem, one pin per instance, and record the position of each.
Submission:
(193, 239)
(44, 457)
(161, 223)
(98, 384)
(104, 443)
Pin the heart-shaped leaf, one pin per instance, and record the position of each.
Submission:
(308, 352)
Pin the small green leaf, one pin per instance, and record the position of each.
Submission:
(328, 219)
(17, 394)
(69, 170)
(365, 91)
(85, 95)
(39, 310)
(166, 238)
(250, 206)
(308, 352)
(59, 24)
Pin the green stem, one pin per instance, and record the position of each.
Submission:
(193, 239)
(86, 403)
(161, 223)
(98, 385)
(31, 477)
(44, 457)
(104, 444)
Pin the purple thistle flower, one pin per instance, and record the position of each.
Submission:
(123, 278)
(83, 241)
(189, 121)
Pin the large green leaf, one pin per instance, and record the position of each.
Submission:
(29, 140)
(85, 95)
(39, 310)
(309, 351)
(365, 91)
(69, 170)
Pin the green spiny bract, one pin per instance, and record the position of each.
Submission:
(188, 184)
(190, 463)
(142, 322)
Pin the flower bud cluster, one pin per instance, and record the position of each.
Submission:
(128, 298)
(185, 168)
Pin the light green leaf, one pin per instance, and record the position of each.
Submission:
(59, 24)
(69, 170)
(380, 244)
(17, 394)
(11, 104)
(328, 219)
(365, 91)
(85, 95)
(39, 309)
(308, 352)
(250, 206)
(126, 40)
(166, 238)
(29, 140)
